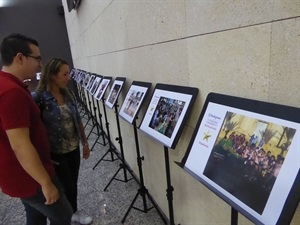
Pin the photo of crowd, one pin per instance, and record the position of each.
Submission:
(247, 157)
(166, 115)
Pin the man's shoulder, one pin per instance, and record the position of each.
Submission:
(8, 80)
(7, 85)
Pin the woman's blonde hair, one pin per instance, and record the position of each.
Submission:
(51, 68)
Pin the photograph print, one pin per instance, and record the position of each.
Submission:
(247, 157)
(91, 82)
(102, 88)
(134, 100)
(166, 115)
(95, 85)
(167, 111)
(73, 74)
(80, 77)
(86, 80)
(250, 160)
(114, 92)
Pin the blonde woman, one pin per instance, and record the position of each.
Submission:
(64, 128)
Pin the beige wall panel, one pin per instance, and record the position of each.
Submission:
(234, 62)
(115, 65)
(205, 16)
(79, 50)
(161, 63)
(285, 63)
(108, 32)
(286, 9)
(194, 203)
(78, 21)
(152, 21)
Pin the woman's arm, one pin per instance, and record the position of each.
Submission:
(85, 144)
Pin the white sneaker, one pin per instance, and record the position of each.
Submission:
(82, 219)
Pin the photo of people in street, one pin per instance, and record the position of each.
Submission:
(166, 115)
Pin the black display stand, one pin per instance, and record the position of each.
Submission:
(80, 102)
(99, 127)
(174, 103)
(143, 192)
(89, 111)
(234, 216)
(122, 165)
(86, 114)
(111, 148)
(170, 188)
(263, 196)
(93, 112)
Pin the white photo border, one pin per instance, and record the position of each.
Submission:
(113, 95)
(95, 85)
(186, 95)
(102, 86)
(135, 87)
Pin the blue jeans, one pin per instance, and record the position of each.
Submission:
(59, 213)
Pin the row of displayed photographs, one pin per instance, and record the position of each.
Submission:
(245, 151)
(165, 114)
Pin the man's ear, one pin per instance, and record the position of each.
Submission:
(19, 58)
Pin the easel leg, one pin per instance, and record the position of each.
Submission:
(124, 167)
(143, 192)
(170, 189)
(102, 158)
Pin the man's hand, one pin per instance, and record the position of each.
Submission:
(51, 193)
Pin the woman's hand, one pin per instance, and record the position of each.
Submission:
(86, 151)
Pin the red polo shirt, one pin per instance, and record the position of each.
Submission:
(18, 110)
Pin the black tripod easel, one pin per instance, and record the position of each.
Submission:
(170, 188)
(122, 165)
(98, 125)
(84, 100)
(143, 192)
(111, 148)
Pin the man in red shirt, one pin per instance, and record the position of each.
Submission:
(26, 170)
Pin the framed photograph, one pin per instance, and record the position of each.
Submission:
(115, 91)
(73, 73)
(91, 82)
(86, 80)
(247, 152)
(133, 100)
(96, 84)
(102, 88)
(167, 113)
(79, 76)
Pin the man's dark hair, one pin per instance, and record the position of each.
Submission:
(14, 44)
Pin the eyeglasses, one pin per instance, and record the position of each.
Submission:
(38, 58)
